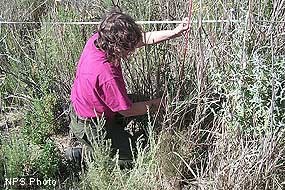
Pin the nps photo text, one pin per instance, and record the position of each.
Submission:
(29, 182)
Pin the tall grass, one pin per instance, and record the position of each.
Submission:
(223, 125)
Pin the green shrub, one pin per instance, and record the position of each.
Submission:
(16, 156)
(47, 161)
(40, 120)
(23, 158)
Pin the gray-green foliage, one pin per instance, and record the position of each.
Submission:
(22, 158)
(142, 176)
(36, 76)
(48, 161)
(253, 75)
(16, 154)
(40, 121)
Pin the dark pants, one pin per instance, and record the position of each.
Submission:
(88, 131)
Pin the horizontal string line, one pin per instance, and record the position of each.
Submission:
(139, 22)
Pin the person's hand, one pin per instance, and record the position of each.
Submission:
(159, 103)
(155, 103)
(182, 27)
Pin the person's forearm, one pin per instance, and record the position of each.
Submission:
(158, 36)
(140, 108)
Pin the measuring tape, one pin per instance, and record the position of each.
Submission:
(138, 22)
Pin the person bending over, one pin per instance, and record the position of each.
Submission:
(99, 88)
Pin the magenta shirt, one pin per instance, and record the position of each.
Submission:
(99, 86)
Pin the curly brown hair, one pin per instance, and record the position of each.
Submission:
(118, 35)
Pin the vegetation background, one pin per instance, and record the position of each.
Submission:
(224, 123)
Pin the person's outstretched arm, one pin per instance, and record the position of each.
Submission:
(140, 108)
(160, 36)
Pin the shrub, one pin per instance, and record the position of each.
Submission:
(22, 158)
(47, 162)
(40, 120)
